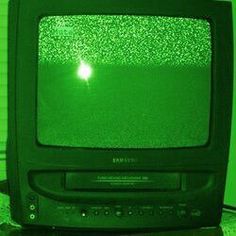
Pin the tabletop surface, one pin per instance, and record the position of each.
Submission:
(8, 227)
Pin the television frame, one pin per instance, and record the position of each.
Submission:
(25, 154)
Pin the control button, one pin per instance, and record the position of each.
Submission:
(171, 212)
(130, 213)
(32, 216)
(140, 212)
(181, 212)
(196, 213)
(32, 207)
(106, 212)
(96, 212)
(119, 213)
(31, 197)
(151, 212)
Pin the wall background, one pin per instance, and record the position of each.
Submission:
(230, 193)
(3, 84)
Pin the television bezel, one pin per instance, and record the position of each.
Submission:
(24, 154)
(24, 151)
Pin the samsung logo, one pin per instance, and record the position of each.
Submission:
(121, 160)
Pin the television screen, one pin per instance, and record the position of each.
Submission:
(123, 81)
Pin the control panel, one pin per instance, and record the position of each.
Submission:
(180, 211)
(95, 211)
(74, 200)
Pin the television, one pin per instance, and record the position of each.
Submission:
(119, 113)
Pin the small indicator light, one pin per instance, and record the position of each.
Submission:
(83, 213)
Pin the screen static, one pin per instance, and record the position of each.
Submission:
(123, 81)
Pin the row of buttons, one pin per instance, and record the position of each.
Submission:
(117, 212)
(162, 212)
(182, 212)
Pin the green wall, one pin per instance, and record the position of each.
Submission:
(2, 168)
(3, 83)
(230, 193)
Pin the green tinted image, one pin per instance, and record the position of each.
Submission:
(123, 81)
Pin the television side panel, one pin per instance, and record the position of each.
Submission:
(12, 160)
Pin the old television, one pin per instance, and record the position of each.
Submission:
(119, 113)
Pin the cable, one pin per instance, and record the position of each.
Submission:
(4, 187)
(229, 207)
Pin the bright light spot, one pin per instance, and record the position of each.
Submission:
(84, 71)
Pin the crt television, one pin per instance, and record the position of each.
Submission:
(119, 112)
